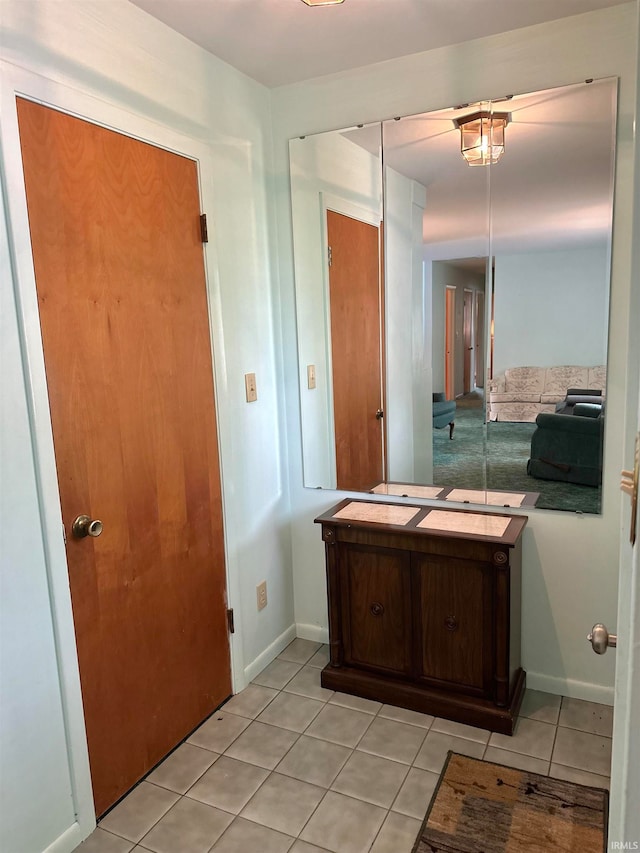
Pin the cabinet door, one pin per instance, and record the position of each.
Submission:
(376, 614)
(455, 607)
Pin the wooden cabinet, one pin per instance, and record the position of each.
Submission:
(424, 609)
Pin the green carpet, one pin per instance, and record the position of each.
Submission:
(499, 453)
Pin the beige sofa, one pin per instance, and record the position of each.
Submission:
(521, 393)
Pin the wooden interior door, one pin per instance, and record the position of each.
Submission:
(467, 335)
(450, 343)
(354, 297)
(123, 310)
(479, 340)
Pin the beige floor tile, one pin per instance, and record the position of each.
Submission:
(449, 727)
(283, 803)
(307, 683)
(251, 701)
(244, 836)
(434, 750)
(582, 777)
(389, 739)
(219, 731)
(583, 750)
(340, 725)
(357, 703)
(300, 651)
(404, 715)
(304, 847)
(262, 744)
(190, 827)
(415, 795)
(398, 834)
(290, 711)
(517, 760)
(315, 761)
(139, 811)
(530, 737)
(587, 716)
(229, 784)
(182, 768)
(277, 674)
(104, 842)
(544, 707)
(343, 825)
(371, 778)
(321, 657)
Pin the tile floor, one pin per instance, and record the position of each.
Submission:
(289, 766)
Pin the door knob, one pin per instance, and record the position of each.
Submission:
(601, 639)
(85, 526)
(379, 414)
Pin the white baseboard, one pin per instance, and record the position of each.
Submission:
(570, 687)
(315, 633)
(68, 841)
(270, 653)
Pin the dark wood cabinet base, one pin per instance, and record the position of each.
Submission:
(472, 711)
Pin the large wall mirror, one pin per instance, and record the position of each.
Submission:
(452, 296)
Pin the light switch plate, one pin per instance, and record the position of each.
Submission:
(251, 388)
(311, 376)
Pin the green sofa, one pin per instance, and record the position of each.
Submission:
(444, 412)
(568, 447)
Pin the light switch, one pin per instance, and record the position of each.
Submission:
(250, 386)
(311, 376)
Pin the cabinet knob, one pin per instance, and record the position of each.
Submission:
(499, 558)
(377, 609)
(451, 623)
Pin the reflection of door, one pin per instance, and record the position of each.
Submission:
(450, 342)
(354, 298)
(479, 340)
(123, 311)
(467, 334)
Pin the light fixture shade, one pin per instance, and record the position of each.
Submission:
(482, 137)
(322, 2)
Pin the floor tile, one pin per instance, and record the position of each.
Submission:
(582, 777)
(544, 707)
(139, 811)
(262, 745)
(587, 716)
(283, 803)
(517, 760)
(218, 731)
(404, 715)
(343, 825)
(290, 711)
(277, 674)
(104, 842)
(315, 761)
(390, 739)
(371, 778)
(305, 847)
(321, 657)
(398, 834)
(583, 751)
(340, 725)
(356, 703)
(182, 768)
(434, 750)
(529, 738)
(307, 683)
(244, 836)
(251, 701)
(415, 794)
(300, 651)
(229, 784)
(448, 727)
(190, 827)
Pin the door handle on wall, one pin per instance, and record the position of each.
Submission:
(601, 639)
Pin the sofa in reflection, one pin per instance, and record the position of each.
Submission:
(522, 393)
(444, 412)
(567, 445)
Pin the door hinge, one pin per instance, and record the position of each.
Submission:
(230, 622)
(204, 234)
(329, 255)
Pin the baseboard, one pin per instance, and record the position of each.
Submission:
(315, 633)
(570, 687)
(270, 653)
(68, 841)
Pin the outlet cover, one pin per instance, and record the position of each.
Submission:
(261, 593)
(250, 387)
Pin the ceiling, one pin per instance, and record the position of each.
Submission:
(278, 42)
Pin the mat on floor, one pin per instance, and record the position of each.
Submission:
(481, 807)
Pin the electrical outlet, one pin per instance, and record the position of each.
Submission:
(311, 376)
(251, 388)
(261, 592)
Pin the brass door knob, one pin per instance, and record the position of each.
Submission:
(601, 639)
(85, 526)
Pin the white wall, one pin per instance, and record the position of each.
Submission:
(113, 63)
(570, 561)
(551, 308)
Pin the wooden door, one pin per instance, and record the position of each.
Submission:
(467, 334)
(354, 297)
(479, 340)
(450, 342)
(123, 310)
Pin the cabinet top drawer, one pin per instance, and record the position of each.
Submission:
(424, 522)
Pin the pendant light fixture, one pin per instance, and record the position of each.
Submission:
(482, 136)
(322, 2)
